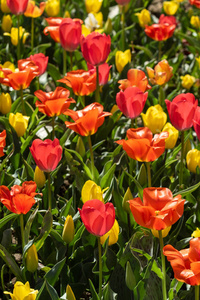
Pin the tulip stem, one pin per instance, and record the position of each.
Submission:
(164, 289)
(21, 218)
(100, 268)
(53, 127)
(32, 33)
(148, 173)
(159, 50)
(123, 27)
(19, 41)
(22, 102)
(196, 292)
(181, 163)
(49, 190)
(91, 156)
(71, 60)
(97, 96)
(64, 62)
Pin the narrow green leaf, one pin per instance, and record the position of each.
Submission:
(188, 190)
(93, 291)
(140, 189)
(29, 223)
(54, 72)
(53, 274)
(52, 292)
(6, 219)
(106, 179)
(45, 230)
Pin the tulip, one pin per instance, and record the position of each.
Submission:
(52, 8)
(18, 80)
(128, 196)
(91, 190)
(7, 65)
(144, 18)
(164, 232)
(185, 263)
(19, 123)
(196, 233)
(122, 59)
(131, 101)
(104, 70)
(181, 111)
(17, 7)
(6, 23)
(20, 199)
(193, 160)
(136, 78)
(167, 20)
(112, 235)
(32, 259)
(33, 11)
(161, 74)
(53, 28)
(22, 291)
(170, 7)
(14, 35)
(196, 122)
(93, 6)
(195, 21)
(5, 103)
(142, 146)
(122, 2)
(160, 32)
(158, 210)
(40, 60)
(155, 118)
(97, 217)
(88, 120)
(2, 142)
(68, 230)
(187, 81)
(70, 34)
(53, 103)
(4, 7)
(91, 22)
(85, 30)
(69, 293)
(170, 142)
(39, 177)
(195, 3)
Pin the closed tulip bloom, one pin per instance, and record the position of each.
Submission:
(185, 263)
(196, 122)
(22, 292)
(112, 235)
(144, 18)
(131, 101)
(52, 8)
(122, 59)
(161, 74)
(122, 2)
(164, 232)
(170, 7)
(97, 217)
(193, 160)
(19, 123)
(70, 34)
(195, 3)
(53, 103)
(68, 230)
(95, 48)
(187, 81)
(155, 118)
(160, 32)
(69, 293)
(93, 6)
(170, 142)
(6, 23)
(91, 190)
(5, 103)
(39, 177)
(4, 7)
(2, 142)
(181, 111)
(19, 199)
(88, 120)
(158, 210)
(195, 21)
(33, 11)
(32, 259)
(136, 78)
(17, 7)
(14, 35)
(104, 70)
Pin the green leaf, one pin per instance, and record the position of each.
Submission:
(140, 189)
(53, 72)
(29, 223)
(53, 274)
(130, 277)
(161, 170)
(188, 190)
(174, 288)
(93, 291)
(41, 48)
(6, 219)
(45, 230)
(106, 179)
(52, 292)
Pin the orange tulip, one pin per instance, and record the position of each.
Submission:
(161, 74)
(186, 262)
(82, 82)
(34, 11)
(158, 210)
(18, 80)
(136, 78)
(53, 28)
(87, 120)
(53, 103)
(2, 142)
(142, 146)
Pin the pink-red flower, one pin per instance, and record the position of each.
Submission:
(33, 11)
(181, 111)
(2, 142)
(160, 32)
(70, 33)
(168, 20)
(39, 59)
(131, 101)
(136, 78)
(53, 103)
(47, 154)
(122, 2)
(196, 122)
(17, 7)
(104, 70)
(97, 217)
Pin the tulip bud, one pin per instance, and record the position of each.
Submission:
(5, 103)
(80, 148)
(164, 232)
(142, 176)
(122, 59)
(193, 160)
(170, 7)
(68, 230)
(195, 22)
(67, 14)
(39, 177)
(52, 8)
(19, 123)
(187, 81)
(196, 233)
(144, 18)
(69, 293)
(170, 142)
(4, 7)
(6, 23)
(128, 196)
(113, 234)
(155, 118)
(187, 148)
(93, 6)
(32, 259)
(130, 277)
(108, 26)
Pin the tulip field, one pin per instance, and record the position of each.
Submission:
(100, 150)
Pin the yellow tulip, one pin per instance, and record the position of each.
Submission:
(4, 7)
(144, 18)
(19, 123)
(5, 103)
(91, 191)
(187, 81)
(8, 65)
(170, 7)
(69, 293)
(85, 30)
(22, 292)
(193, 160)
(155, 118)
(99, 18)
(93, 6)
(39, 177)
(198, 60)
(113, 234)
(164, 232)
(68, 230)
(14, 35)
(32, 259)
(67, 14)
(6, 23)
(121, 59)
(170, 142)
(196, 233)
(52, 8)
(195, 21)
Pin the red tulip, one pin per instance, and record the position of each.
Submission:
(97, 217)
(131, 102)
(168, 20)
(20, 199)
(17, 7)
(40, 61)
(181, 111)
(53, 103)
(158, 210)
(136, 78)
(196, 122)
(142, 146)
(87, 120)
(195, 3)
(186, 262)
(104, 70)
(95, 48)
(160, 32)
(2, 142)
(70, 33)
(33, 11)
(122, 2)
(46, 154)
